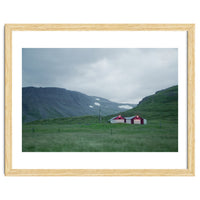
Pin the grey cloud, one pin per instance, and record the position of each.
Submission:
(121, 75)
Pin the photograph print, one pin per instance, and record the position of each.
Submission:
(100, 100)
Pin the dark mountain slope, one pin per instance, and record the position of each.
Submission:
(46, 103)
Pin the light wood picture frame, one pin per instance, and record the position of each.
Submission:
(190, 171)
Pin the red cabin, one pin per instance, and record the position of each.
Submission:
(138, 120)
(128, 120)
(118, 119)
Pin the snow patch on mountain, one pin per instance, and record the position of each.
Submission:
(125, 107)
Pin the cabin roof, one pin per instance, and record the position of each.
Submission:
(138, 117)
(117, 117)
(112, 118)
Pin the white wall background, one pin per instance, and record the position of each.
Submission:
(104, 11)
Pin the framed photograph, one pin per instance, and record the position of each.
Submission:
(99, 99)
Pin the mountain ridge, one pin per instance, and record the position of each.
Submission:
(53, 102)
(163, 104)
(160, 106)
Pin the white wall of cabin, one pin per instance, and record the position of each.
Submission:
(137, 121)
(128, 121)
(116, 121)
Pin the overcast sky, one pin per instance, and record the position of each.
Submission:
(124, 75)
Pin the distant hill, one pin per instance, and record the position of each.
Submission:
(47, 103)
(161, 105)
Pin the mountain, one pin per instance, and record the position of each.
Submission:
(47, 103)
(161, 105)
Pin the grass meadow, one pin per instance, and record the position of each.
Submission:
(156, 136)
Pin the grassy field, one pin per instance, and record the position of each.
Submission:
(156, 136)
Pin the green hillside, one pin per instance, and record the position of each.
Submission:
(162, 105)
